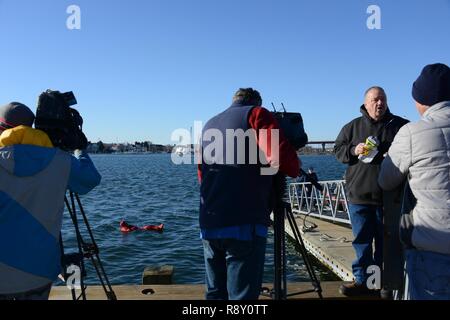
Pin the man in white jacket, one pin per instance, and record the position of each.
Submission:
(420, 152)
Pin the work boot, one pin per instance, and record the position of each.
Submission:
(354, 289)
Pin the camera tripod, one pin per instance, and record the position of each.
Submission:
(85, 251)
(281, 212)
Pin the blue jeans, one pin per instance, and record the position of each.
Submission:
(367, 226)
(234, 268)
(428, 275)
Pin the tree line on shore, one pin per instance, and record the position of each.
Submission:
(136, 147)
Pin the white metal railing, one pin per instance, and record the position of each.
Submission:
(330, 203)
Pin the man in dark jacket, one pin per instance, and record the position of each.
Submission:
(235, 196)
(362, 144)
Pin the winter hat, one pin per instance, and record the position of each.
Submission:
(433, 85)
(15, 114)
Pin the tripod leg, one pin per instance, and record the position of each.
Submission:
(304, 253)
(73, 215)
(278, 253)
(64, 267)
(96, 257)
(281, 211)
(280, 285)
(284, 259)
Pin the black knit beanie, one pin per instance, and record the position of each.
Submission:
(433, 85)
(15, 114)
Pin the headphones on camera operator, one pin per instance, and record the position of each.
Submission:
(62, 123)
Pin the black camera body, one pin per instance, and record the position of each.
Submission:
(62, 123)
(292, 125)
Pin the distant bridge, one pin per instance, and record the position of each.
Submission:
(323, 143)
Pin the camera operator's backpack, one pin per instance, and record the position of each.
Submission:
(62, 123)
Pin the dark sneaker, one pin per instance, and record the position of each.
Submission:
(354, 289)
(386, 294)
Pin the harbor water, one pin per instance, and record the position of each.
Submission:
(149, 189)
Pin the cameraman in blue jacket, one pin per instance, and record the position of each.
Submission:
(34, 177)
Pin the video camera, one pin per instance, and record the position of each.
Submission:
(292, 125)
(62, 123)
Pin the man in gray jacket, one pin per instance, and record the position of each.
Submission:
(421, 153)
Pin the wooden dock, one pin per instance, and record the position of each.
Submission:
(330, 243)
(188, 292)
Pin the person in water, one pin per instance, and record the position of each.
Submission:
(34, 177)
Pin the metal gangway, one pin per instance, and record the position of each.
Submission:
(329, 204)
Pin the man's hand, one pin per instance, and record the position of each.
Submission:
(360, 149)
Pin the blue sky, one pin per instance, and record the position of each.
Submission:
(143, 68)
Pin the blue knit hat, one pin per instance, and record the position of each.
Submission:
(433, 85)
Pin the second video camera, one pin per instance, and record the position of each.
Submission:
(292, 125)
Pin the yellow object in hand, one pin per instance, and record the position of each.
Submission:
(371, 143)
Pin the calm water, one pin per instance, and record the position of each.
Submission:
(149, 189)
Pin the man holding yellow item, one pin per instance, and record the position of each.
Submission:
(362, 144)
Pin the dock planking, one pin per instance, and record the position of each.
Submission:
(188, 292)
(330, 243)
